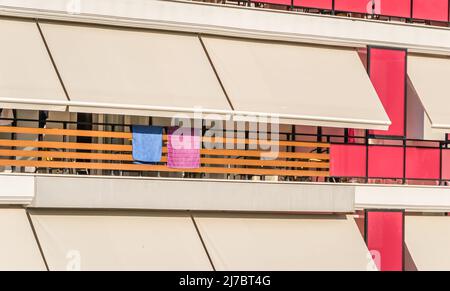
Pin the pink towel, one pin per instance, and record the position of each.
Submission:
(183, 148)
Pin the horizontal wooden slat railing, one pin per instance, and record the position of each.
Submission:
(107, 156)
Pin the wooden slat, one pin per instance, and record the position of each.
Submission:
(248, 153)
(128, 135)
(129, 158)
(65, 145)
(128, 148)
(224, 140)
(67, 132)
(160, 168)
(66, 155)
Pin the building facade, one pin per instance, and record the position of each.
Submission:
(322, 129)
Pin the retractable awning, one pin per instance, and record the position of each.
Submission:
(119, 240)
(302, 84)
(428, 241)
(27, 77)
(136, 72)
(283, 242)
(129, 71)
(430, 78)
(18, 247)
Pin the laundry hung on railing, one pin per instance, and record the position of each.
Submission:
(147, 143)
(183, 148)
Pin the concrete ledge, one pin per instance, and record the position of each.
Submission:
(237, 21)
(203, 195)
(96, 192)
(16, 189)
(410, 198)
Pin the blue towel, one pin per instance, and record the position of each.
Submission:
(147, 143)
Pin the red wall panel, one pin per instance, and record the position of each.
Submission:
(319, 4)
(387, 70)
(358, 6)
(385, 237)
(398, 8)
(422, 163)
(431, 9)
(446, 164)
(385, 162)
(347, 160)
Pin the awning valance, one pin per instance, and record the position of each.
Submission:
(28, 79)
(18, 247)
(283, 242)
(428, 240)
(136, 72)
(119, 240)
(302, 84)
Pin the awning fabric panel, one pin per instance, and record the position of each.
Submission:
(27, 77)
(283, 242)
(142, 70)
(119, 240)
(18, 247)
(428, 241)
(313, 85)
(430, 78)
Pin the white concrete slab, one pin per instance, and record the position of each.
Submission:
(237, 21)
(16, 189)
(189, 194)
(410, 198)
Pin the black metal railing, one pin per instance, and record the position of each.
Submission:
(408, 16)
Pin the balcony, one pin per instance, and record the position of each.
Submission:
(295, 153)
(318, 169)
(55, 149)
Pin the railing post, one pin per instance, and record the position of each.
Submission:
(404, 160)
(13, 136)
(440, 164)
(367, 155)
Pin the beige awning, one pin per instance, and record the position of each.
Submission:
(18, 247)
(430, 77)
(284, 242)
(304, 84)
(119, 240)
(428, 241)
(28, 79)
(136, 72)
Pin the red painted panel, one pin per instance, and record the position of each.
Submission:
(347, 160)
(398, 8)
(384, 238)
(431, 9)
(446, 164)
(358, 6)
(279, 2)
(319, 4)
(385, 162)
(422, 163)
(351, 134)
(387, 70)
